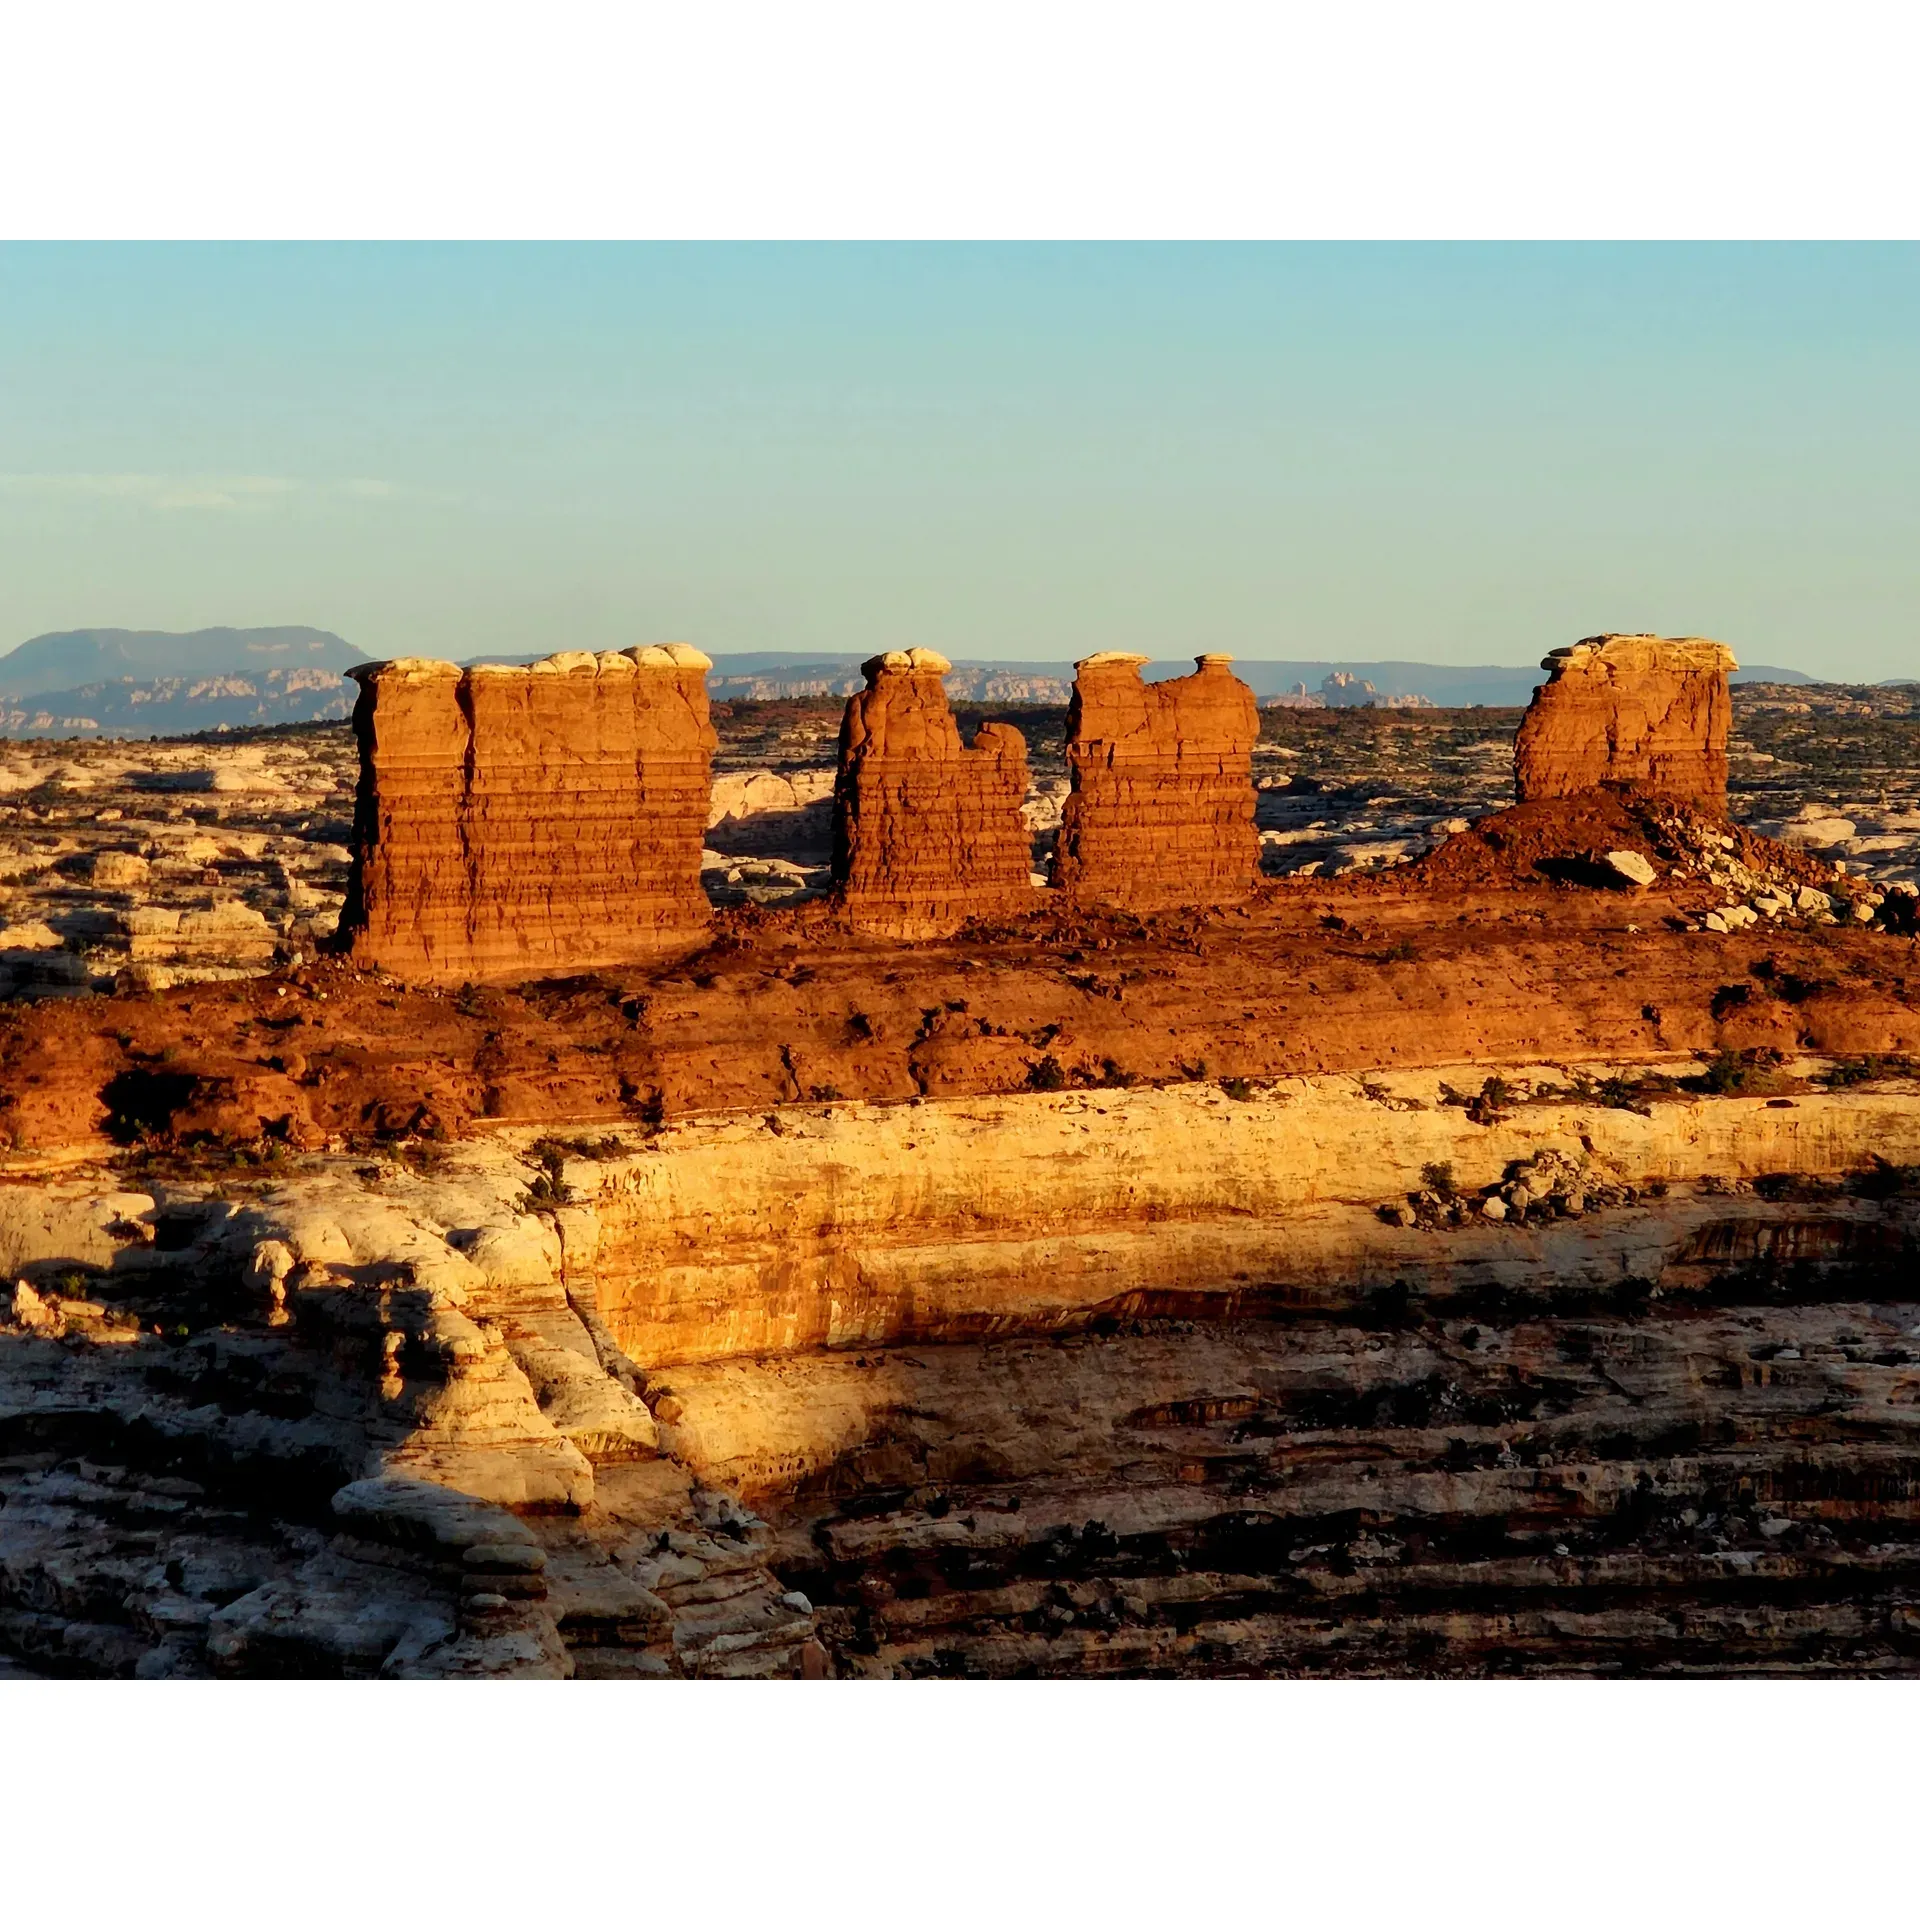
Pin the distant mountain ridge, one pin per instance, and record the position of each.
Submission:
(86, 656)
(770, 676)
(107, 682)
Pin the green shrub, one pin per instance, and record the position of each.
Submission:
(1046, 1075)
(1752, 1070)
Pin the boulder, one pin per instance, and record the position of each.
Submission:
(119, 872)
(29, 936)
(1634, 868)
(1826, 831)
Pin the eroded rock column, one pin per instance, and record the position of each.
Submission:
(518, 821)
(1628, 709)
(926, 832)
(1161, 809)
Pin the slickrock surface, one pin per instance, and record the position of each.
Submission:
(1629, 709)
(927, 833)
(1160, 814)
(513, 821)
(1585, 1400)
(350, 1423)
(149, 865)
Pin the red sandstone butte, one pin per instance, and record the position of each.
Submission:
(926, 833)
(1627, 709)
(518, 821)
(1161, 809)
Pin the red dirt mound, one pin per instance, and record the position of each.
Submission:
(1547, 840)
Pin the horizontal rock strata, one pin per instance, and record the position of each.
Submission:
(1717, 1483)
(960, 1219)
(1128, 1383)
(355, 1426)
(513, 821)
(927, 833)
(1629, 710)
(1161, 809)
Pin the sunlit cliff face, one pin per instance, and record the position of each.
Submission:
(1499, 1261)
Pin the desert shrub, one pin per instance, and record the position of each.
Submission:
(1751, 1070)
(546, 1190)
(1046, 1075)
(1495, 1099)
(553, 1152)
(1868, 1066)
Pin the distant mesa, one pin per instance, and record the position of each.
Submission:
(1343, 689)
(106, 682)
(54, 662)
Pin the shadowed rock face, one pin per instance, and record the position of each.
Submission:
(926, 832)
(1629, 710)
(522, 820)
(1161, 812)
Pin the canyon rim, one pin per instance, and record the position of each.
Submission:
(926, 1215)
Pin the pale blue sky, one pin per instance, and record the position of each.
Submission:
(1461, 454)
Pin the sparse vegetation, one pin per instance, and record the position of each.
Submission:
(1870, 1066)
(552, 1151)
(1045, 1075)
(1749, 1071)
(1492, 1103)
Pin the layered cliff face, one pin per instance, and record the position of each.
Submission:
(1629, 710)
(1487, 1276)
(354, 1423)
(1327, 1375)
(1161, 811)
(514, 821)
(926, 833)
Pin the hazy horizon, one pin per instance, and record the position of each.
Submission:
(1458, 455)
